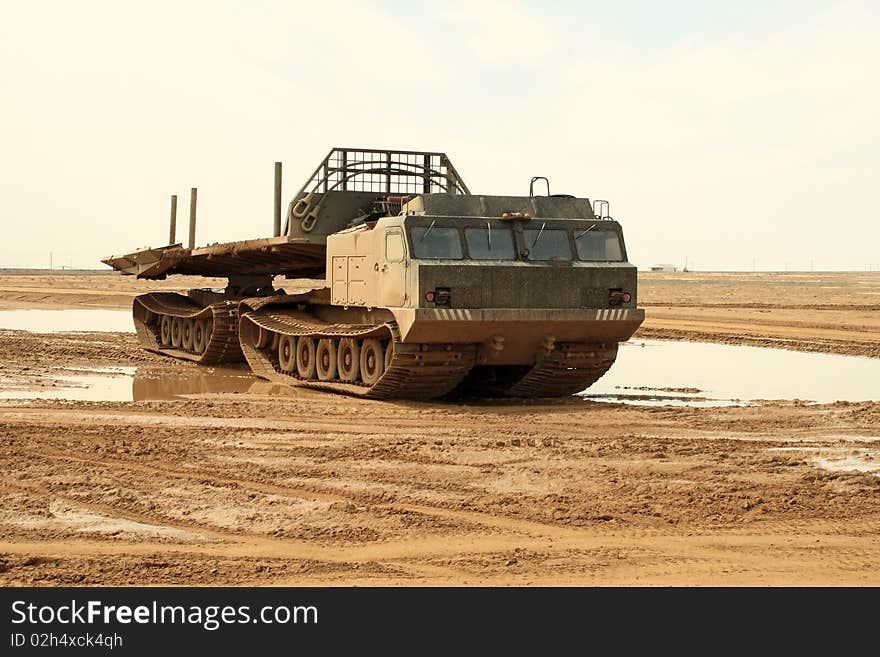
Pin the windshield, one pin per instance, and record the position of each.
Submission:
(598, 246)
(435, 242)
(547, 244)
(490, 243)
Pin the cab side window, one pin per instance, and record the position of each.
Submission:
(436, 242)
(598, 246)
(394, 249)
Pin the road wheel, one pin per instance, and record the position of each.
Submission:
(262, 338)
(305, 358)
(200, 335)
(389, 353)
(188, 334)
(348, 359)
(372, 361)
(176, 331)
(286, 353)
(165, 331)
(325, 359)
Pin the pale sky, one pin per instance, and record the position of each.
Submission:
(729, 133)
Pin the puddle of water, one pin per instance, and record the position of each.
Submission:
(658, 372)
(128, 384)
(840, 459)
(650, 372)
(661, 400)
(63, 321)
(850, 464)
(99, 384)
(151, 386)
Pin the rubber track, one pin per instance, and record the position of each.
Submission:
(223, 345)
(415, 371)
(567, 370)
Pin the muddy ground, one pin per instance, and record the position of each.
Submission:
(281, 487)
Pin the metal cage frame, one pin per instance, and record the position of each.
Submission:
(385, 171)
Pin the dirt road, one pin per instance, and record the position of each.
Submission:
(288, 487)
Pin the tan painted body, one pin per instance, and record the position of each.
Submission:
(510, 307)
(427, 288)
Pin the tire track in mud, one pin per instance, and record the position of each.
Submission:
(343, 425)
(711, 554)
(110, 511)
(515, 525)
(37, 416)
(204, 479)
(789, 540)
(508, 531)
(315, 493)
(663, 553)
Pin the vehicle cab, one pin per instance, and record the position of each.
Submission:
(456, 261)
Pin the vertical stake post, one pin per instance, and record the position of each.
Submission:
(276, 225)
(173, 231)
(193, 197)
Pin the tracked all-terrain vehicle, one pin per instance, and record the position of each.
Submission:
(416, 287)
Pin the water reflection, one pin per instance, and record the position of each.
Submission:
(658, 372)
(129, 384)
(151, 383)
(104, 384)
(646, 372)
(62, 321)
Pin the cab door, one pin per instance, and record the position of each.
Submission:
(393, 269)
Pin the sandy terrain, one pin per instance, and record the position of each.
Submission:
(39, 289)
(824, 312)
(275, 487)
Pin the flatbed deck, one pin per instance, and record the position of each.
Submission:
(284, 255)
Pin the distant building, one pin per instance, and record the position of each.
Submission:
(664, 268)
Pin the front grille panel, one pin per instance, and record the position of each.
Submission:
(528, 286)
